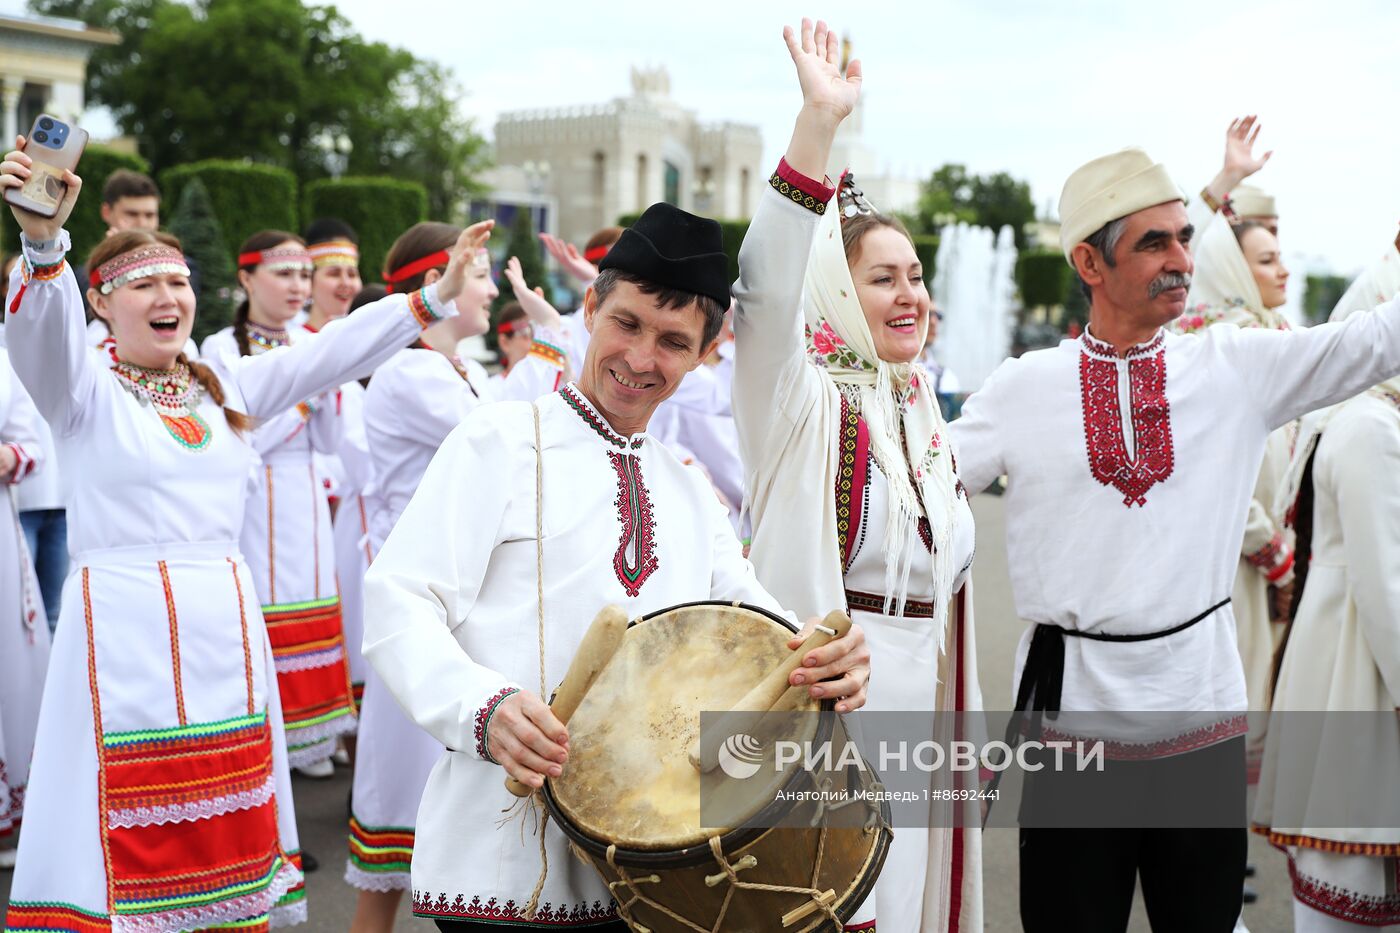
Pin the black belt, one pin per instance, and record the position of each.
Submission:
(1043, 676)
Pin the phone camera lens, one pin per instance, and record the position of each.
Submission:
(41, 137)
(45, 124)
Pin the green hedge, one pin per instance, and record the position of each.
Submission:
(85, 226)
(247, 197)
(378, 208)
(1320, 296)
(1044, 278)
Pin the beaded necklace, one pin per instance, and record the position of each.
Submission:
(174, 394)
(261, 339)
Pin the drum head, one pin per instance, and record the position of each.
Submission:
(629, 780)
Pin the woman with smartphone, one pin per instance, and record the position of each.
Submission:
(414, 401)
(287, 536)
(160, 796)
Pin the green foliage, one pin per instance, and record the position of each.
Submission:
(246, 197)
(86, 226)
(1043, 277)
(202, 237)
(379, 209)
(952, 194)
(299, 89)
(731, 231)
(522, 243)
(1321, 295)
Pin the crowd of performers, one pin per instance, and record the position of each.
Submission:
(317, 533)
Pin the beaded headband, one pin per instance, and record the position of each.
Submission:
(431, 261)
(277, 258)
(156, 259)
(334, 253)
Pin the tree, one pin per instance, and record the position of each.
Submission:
(952, 194)
(299, 89)
(201, 236)
(522, 243)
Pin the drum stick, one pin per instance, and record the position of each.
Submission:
(774, 685)
(599, 644)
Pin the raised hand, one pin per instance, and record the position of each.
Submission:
(1240, 161)
(14, 172)
(816, 52)
(463, 254)
(536, 307)
(569, 258)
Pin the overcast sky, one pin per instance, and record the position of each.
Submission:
(1032, 88)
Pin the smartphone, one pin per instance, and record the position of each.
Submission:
(54, 146)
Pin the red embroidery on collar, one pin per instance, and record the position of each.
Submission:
(635, 559)
(1154, 457)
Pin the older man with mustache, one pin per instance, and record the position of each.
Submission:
(1130, 455)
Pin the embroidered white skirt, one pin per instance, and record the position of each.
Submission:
(290, 548)
(392, 762)
(160, 761)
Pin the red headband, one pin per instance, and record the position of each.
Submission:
(278, 257)
(513, 327)
(418, 266)
(596, 253)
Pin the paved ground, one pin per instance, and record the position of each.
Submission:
(321, 804)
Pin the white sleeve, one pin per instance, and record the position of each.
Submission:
(1365, 476)
(539, 373)
(977, 436)
(47, 338)
(773, 384)
(1297, 371)
(733, 576)
(347, 348)
(425, 579)
(22, 429)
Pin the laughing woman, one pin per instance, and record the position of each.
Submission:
(160, 797)
(287, 535)
(853, 493)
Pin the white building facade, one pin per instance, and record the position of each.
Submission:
(595, 164)
(43, 64)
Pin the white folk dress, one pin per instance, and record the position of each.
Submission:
(1343, 654)
(160, 797)
(450, 621)
(24, 630)
(414, 402)
(351, 477)
(290, 549)
(1129, 480)
(932, 876)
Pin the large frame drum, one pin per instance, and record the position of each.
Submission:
(630, 798)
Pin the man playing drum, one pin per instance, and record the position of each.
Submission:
(453, 620)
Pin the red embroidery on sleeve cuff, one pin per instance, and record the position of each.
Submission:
(800, 189)
(1282, 570)
(483, 721)
(23, 465)
(1274, 560)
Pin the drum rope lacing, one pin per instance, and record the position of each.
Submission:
(731, 872)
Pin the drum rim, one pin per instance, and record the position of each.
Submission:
(735, 838)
